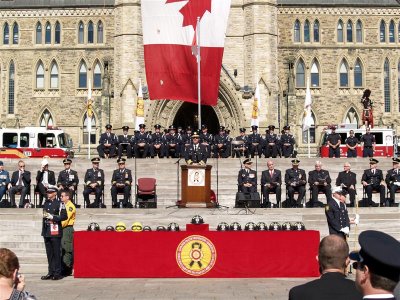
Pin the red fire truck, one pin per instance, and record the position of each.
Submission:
(34, 142)
(384, 137)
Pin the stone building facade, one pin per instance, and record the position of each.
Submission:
(47, 63)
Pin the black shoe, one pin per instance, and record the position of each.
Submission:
(373, 204)
(56, 277)
(46, 277)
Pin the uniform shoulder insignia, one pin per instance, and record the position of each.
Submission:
(326, 207)
(70, 209)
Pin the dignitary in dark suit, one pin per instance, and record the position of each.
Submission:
(351, 145)
(372, 180)
(124, 143)
(393, 180)
(196, 153)
(347, 180)
(319, 181)
(20, 182)
(247, 178)
(94, 182)
(121, 182)
(333, 259)
(67, 178)
(44, 179)
(54, 213)
(107, 143)
(334, 142)
(271, 181)
(296, 181)
(4, 181)
(377, 265)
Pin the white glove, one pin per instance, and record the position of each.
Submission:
(49, 217)
(345, 230)
(357, 219)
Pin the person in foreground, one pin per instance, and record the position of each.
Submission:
(377, 265)
(12, 283)
(333, 259)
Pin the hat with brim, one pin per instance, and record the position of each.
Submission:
(121, 160)
(338, 190)
(295, 162)
(247, 161)
(396, 160)
(51, 190)
(380, 252)
(195, 135)
(373, 161)
(95, 160)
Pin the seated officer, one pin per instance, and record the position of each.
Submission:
(172, 143)
(157, 142)
(372, 180)
(206, 139)
(271, 142)
(67, 178)
(4, 181)
(141, 142)
(319, 181)
(287, 142)
(393, 180)
(107, 143)
(186, 139)
(94, 182)
(124, 143)
(271, 181)
(255, 142)
(221, 144)
(121, 182)
(44, 179)
(247, 178)
(240, 144)
(196, 153)
(295, 180)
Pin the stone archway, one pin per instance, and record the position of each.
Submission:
(229, 109)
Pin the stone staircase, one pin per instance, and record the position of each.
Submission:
(20, 228)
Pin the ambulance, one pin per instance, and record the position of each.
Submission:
(385, 138)
(35, 142)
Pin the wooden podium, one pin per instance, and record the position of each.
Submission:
(195, 186)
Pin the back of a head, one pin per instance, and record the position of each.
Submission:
(8, 263)
(333, 252)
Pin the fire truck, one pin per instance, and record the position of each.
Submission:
(385, 138)
(35, 142)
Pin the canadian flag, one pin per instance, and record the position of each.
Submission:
(169, 32)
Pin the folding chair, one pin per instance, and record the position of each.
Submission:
(146, 196)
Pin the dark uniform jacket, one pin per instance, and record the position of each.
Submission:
(53, 228)
(199, 156)
(93, 176)
(157, 138)
(254, 138)
(4, 178)
(122, 139)
(206, 138)
(296, 176)
(287, 139)
(392, 176)
(320, 177)
(331, 286)
(66, 179)
(368, 139)
(351, 141)
(333, 138)
(51, 177)
(337, 217)
(173, 139)
(267, 179)
(124, 177)
(221, 139)
(347, 179)
(105, 139)
(26, 178)
(141, 138)
(247, 177)
(373, 179)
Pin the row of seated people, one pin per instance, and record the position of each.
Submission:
(171, 143)
(319, 181)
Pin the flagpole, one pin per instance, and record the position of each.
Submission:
(89, 142)
(308, 142)
(198, 73)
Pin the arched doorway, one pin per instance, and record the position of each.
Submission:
(187, 116)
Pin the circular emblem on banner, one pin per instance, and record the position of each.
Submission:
(196, 255)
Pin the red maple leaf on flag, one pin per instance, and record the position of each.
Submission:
(192, 10)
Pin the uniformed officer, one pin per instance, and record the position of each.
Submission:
(4, 182)
(195, 153)
(107, 143)
(319, 181)
(351, 144)
(247, 178)
(124, 143)
(255, 142)
(337, 215)
(334, 142)
(54, 213)
(240, 145)
(347, 181)
(296, 181)
(372, 180)
(206, 139)
(141, 142)
(172, 143)
(186, 139)
(271, 181)
(94, 182)
(67, 178)
(44, 179)
(221, 144)
(68, 234)
(368, 143)
(157, 142)
(271, 143)
(393, 179)
(287, 142)
(121, 182)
